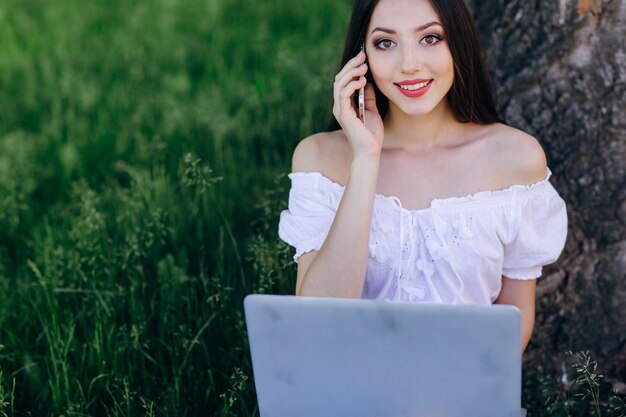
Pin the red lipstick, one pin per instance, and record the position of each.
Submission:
(414, 93)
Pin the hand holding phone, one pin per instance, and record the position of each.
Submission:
(355, 101)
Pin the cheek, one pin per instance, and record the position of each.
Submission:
(379, 70)
(443, 63)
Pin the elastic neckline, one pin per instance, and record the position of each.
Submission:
(478, 198)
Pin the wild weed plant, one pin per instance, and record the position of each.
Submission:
(144, 148)
(136, 142)
(576, 390)
(6, 397)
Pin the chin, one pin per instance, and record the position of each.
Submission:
(417, 109)
(412, 106)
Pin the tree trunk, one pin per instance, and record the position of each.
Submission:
(560, 68)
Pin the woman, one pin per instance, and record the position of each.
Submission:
(431, 198)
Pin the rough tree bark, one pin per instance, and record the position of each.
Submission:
(560, 68)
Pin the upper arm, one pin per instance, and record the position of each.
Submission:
(518, 292)
(327, 152)
(522, 159)
(307, 155)
(532, 164)
(521, 294)
(322, 152)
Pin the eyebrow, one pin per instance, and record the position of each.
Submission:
(417, 29)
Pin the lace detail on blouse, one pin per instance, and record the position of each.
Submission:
(454, 251)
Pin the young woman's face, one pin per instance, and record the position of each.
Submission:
(408, 55)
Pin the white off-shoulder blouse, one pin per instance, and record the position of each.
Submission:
(453, 252)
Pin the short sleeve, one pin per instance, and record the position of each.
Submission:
(312, 207)
(538, 232)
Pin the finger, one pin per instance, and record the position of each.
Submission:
(345, 104)
(349, 90)
(350, 75)
(352, 63)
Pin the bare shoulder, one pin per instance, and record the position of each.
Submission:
(326, 152)
(518, 157)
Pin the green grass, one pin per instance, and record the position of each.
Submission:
(143, 147)
(143, 153)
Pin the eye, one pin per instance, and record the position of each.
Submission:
(430, 39)
(384, 44)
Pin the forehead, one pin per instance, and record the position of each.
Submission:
(402, 14)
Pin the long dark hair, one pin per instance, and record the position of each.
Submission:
(471, 96)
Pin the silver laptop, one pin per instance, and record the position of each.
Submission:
(329, 357)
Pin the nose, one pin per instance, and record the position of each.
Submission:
(411, 59)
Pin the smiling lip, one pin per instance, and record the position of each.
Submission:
(414, 93)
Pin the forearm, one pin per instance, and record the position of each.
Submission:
(338, 269)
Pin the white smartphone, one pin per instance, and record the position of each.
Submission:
(361, 99)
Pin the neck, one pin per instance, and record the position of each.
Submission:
(416, 133)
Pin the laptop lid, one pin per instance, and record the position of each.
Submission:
(330, 357)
